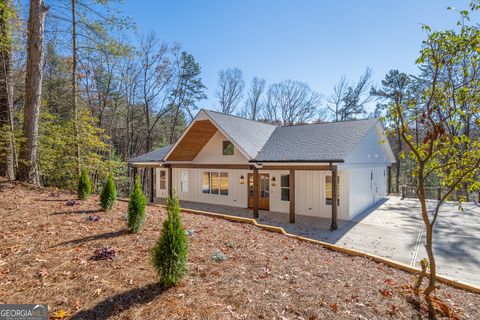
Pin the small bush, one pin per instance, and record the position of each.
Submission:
(136, 208)
(84, 186)
(219, 257)
(104, 253)
(72, 203)
(169, 256)
(109, 194)
(94, 218)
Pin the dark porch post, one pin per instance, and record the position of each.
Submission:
(334, 197)
(170, 179)
(152, 184)
(292, 195)
(255, 192)
(135, 171)
(389, 179)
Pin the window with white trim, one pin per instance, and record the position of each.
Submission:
(227, 148)
(285, 187)
(215, 183)
(184, 181)
(206, 182)
(162, 179)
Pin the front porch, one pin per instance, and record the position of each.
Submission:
(308, 226)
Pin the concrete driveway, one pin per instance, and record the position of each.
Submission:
(395, 230)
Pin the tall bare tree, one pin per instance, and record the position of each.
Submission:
(348, 100)
(129, 85)
(27, 169)
(156, 75)
(253, 103)
(230, 89)
(7, 158)
(291, 102)
(74, 83)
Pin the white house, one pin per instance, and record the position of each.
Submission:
(295, 170)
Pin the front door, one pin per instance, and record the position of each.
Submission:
(264, 191)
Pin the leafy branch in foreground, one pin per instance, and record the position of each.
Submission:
(448, 114)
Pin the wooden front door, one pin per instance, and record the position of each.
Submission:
(264, 191)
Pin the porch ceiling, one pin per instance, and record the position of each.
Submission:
(193, 141)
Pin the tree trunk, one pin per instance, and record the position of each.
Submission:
(74, 86)
(398, 163)
(428, 235)
(172, 127)
(27, 169)
(129, 141)
(7, 158)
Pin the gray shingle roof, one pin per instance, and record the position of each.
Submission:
(250, 135)
(153, 156)
(330, 141)
(315, 142)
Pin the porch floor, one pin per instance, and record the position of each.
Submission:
(312, 227)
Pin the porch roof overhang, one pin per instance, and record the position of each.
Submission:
(298, 161)
(145, 164)
(303, 166)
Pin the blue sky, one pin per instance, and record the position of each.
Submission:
(314, 41)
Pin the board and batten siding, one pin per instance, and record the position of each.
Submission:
(237, 192)
(365, 192)
(310, 194)
(276, 202)
(370, 151)
(211, 153)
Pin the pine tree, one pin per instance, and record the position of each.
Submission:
(136, 208)
(169, 256)
(84, 186)
(109, 194)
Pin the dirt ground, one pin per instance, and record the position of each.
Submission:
(46, 250)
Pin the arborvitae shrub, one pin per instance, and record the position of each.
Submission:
(169, 256)
(109, 194)
(84, 187)
(136, 208)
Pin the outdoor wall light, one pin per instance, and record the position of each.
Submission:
(274, 181)
(242, 179)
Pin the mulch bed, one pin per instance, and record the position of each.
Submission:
(46, 250)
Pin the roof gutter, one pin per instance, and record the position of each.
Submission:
(299, 161)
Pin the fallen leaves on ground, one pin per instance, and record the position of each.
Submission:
(46, 246)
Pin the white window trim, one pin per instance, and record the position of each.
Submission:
(280, 184)
(160, 179)
(184, 182)
(233, 151)
(219, 183)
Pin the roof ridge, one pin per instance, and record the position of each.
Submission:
(295, 125)
(238, 117)
(328, 122)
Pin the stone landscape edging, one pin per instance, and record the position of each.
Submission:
(397, 265)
